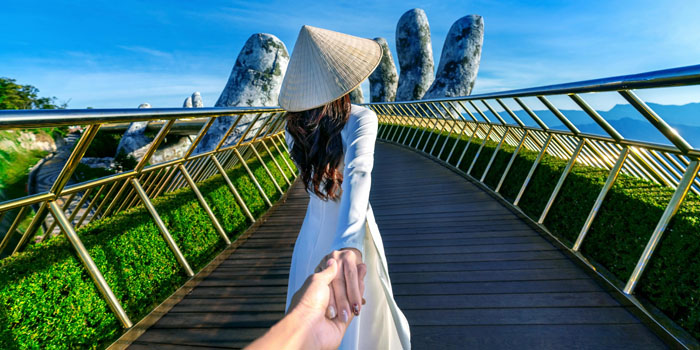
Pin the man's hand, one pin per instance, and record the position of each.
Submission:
(305, 326)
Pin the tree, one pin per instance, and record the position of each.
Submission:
(15, 96)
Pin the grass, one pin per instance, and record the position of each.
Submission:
(48, 301)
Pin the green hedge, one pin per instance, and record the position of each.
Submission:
(621, 229)
(48, 301)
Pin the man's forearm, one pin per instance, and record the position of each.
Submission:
(291, 332)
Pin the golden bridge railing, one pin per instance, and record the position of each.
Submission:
(260, 131)
(675, 165)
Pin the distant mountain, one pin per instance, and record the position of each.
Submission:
(688, 114)
(640, 130)
(626, 120)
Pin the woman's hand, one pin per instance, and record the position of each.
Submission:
(348, 286)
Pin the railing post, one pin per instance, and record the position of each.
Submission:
(391, 118)
(267, 170)
(115, 201)
(252, 176)
(276, 139)
(405, 124)
(512, 160)
(419, 127)
(532, 169)
(477, 126)
(434, 124)
(274, 160)
(233, 189)
(601, 196)
(442, 127)
(454, 121)
(13, 227)
(681, 191)
(205, 205)
(562, 178)
(106, 199)
(89, 264)
(464, 127)
(162, 228)
(411, 116)
(495, 153)
(49, 229)
(478, 152)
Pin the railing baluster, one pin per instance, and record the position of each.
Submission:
(162, 228)
(609, 182)
(681, 191)
(239, 199)
(495, 153)
(562, 178)
(532, 170)
(13, 227)
(203, 202)
(90, 265)
(477, 126)
(478, 152)
(512, 160)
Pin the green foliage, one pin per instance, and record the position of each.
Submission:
(621, 229)
(16, 96)
(104, 144)
(85, 173)
(124, 161)
(48, 301)
(15, 161)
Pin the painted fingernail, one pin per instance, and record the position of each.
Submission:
(356, 309)
(344, 315)
(364, 301)
(331, 312)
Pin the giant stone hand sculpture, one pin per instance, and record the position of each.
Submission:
(459, 62)
(415, 53)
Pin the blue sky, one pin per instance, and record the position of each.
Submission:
(123, 53)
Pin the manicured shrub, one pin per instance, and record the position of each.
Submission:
(48, 300)
(622, 226)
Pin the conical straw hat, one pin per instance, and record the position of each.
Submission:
(325, 65)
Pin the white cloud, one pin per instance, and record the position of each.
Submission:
(147, 51)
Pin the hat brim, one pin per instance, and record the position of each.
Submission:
(334, 59)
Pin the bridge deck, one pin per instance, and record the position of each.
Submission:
(466, 271)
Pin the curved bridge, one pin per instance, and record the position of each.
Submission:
(501, 232)
(467, 272)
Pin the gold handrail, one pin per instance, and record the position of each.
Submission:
(415, 124)
(146, 181)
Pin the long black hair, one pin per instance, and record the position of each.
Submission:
(318, 145)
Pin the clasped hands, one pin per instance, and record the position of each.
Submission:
(312, 320)
(348, 286)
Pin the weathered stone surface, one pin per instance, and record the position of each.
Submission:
(172, 151)
(187, 103)
(384, 79)
(98, 162)
(134, 138)
(459, 62)
(356, 96)
(197, 100)
(415, 53)
(256, 79)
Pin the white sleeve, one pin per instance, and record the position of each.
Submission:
(354, 200)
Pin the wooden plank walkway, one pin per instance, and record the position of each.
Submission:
(466, 271)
